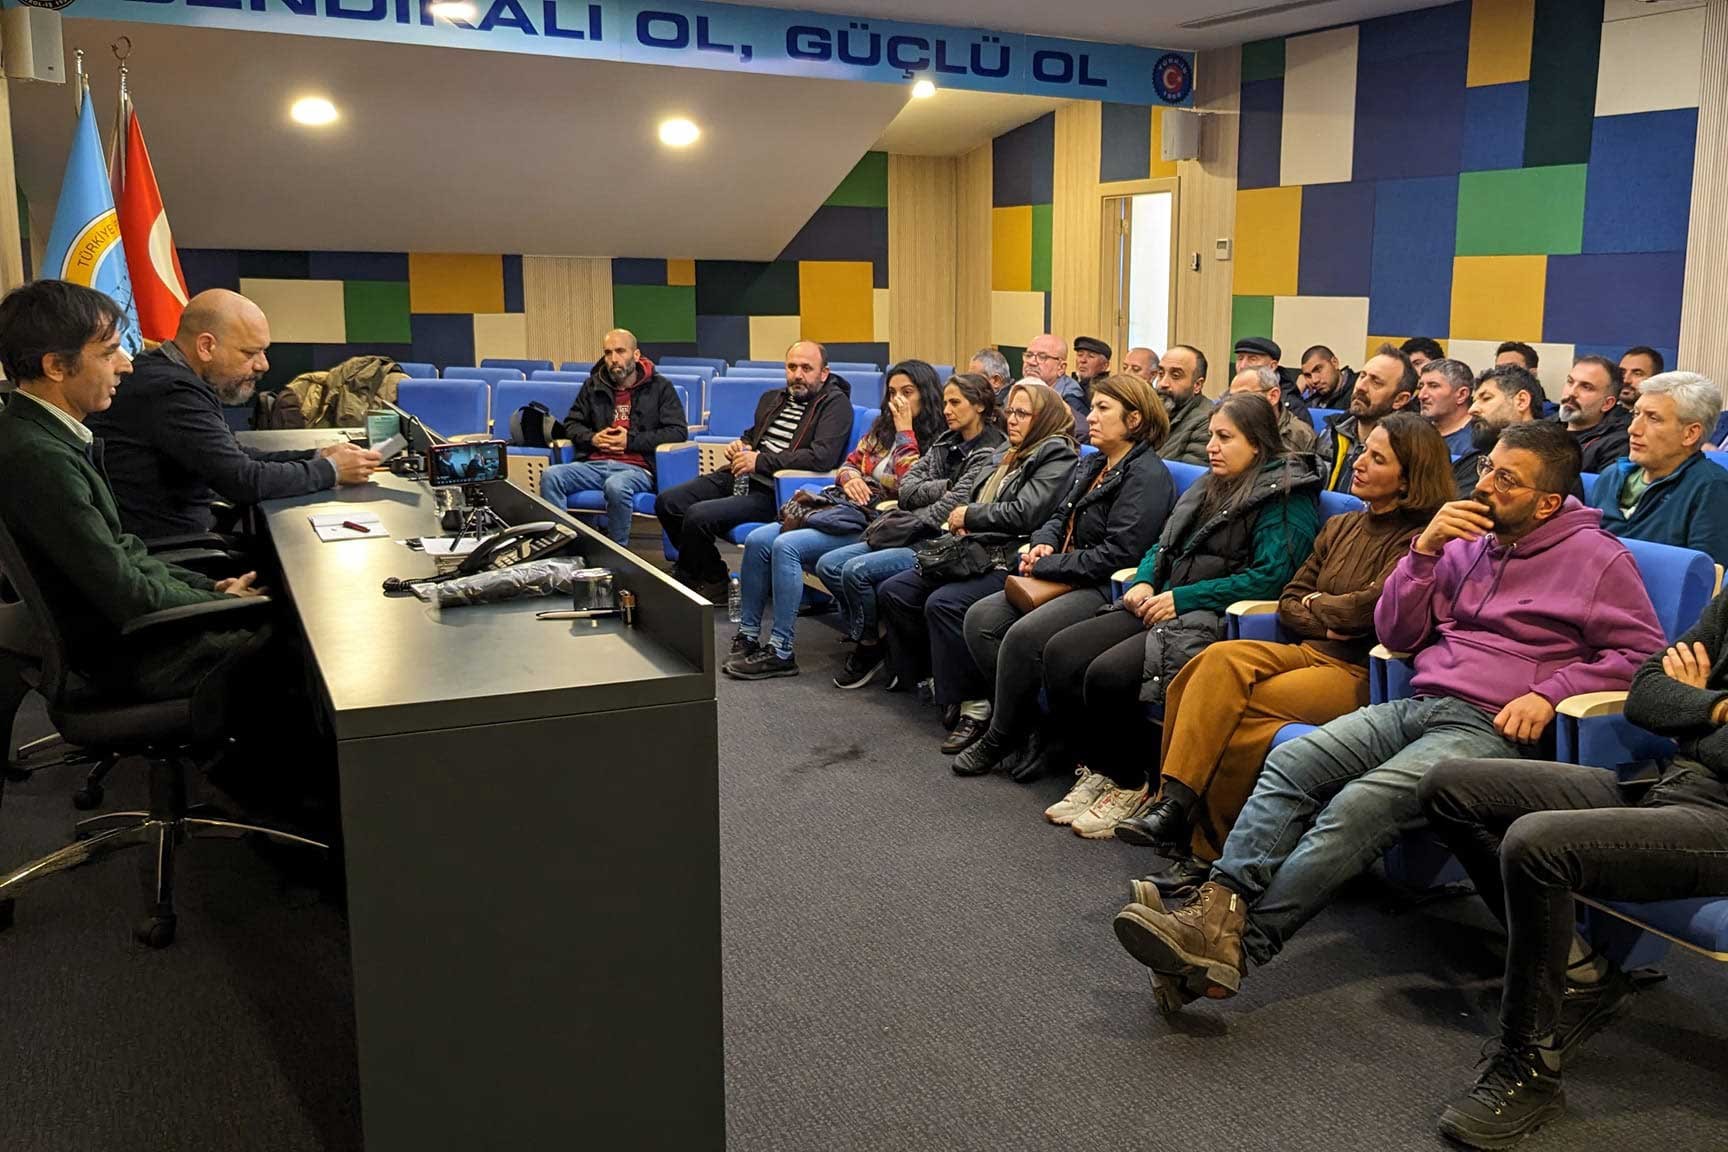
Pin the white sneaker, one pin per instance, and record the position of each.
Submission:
(1099, 821)
(1088, 788)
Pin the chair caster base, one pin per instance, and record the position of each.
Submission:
(156, 932)
(88, 797)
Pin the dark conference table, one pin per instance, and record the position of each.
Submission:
(530, 818)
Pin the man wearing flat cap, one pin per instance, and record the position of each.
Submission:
(1263, 352)
(1091, 363)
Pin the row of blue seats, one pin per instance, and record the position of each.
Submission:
(494, 368)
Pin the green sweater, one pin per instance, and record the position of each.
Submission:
(1283, 537)
(61, 512)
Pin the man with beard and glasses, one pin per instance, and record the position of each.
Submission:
(1511, 601)
(1386, 384)
(624, 412)
(169, 452)
(1181, 384)
(1506, 394)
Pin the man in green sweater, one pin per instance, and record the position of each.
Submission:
(60, 343)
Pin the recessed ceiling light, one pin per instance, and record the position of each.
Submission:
(923, 90)
(678, 133)
(453, 10)
(314, 110)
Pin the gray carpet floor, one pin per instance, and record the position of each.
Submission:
(913, 961)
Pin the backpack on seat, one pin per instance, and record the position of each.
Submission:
(533, 426)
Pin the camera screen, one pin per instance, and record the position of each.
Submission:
(466, 463)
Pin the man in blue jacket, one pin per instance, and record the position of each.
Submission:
(1667, 491)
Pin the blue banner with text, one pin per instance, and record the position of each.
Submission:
(722, 37)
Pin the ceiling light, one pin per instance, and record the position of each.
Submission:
(314, 110)
(453, 10)
(923, 90)
(678, 133)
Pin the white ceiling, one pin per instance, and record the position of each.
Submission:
(952, 122)
(1151, 22)
(453, 150)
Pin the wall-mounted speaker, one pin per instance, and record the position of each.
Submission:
(30, 45)
(1180, 139)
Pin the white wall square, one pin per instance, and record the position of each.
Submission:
(1016, 318)
(500, 334)
(1319, 108)
(770, 336)
(1339, 322)
(1651, 63)
(300, 311)
(1556, 360)
(879, 312)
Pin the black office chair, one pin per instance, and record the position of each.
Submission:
(169, 735)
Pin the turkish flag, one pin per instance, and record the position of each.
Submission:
(158, 285)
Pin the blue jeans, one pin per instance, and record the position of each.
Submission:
(773, 568)
(851, 574)
(1327, 805)
(620, 482)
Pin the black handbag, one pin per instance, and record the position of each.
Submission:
(897, 528)
(951, 557)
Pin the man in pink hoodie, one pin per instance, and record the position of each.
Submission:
(1511, 601)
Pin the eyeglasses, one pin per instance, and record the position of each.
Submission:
(1037, 357)
(1017, 413)
(1504, 482)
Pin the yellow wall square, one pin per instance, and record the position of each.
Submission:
(1268, 240)
(1500, 37)
(837, 299)
(450, 282)
(1011, 249)
(680, 273)
(770, 336)
(1374, 343)
(1498, 297)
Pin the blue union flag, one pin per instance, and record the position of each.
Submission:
(84, 245)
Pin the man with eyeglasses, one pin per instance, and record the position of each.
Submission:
(1512, 601)
(1046, 360)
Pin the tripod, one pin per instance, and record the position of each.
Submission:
(480, 519)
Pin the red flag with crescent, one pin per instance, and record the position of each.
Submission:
(158, 285)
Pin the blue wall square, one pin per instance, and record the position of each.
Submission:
(626, 270)
(727, 337)
(264, 265)
(206, 268)
(1625, 299)
(1670, 353)
(1415, 222)
(513, 298)
(1126, 144)
(859, 353)
(1023, 164)
(1262, 137)
(657, 349)
(1494, 126)
(442, 338)
(1410, 71)
(1337, 248)
(1638, 194)
(391, 266)
(839, 232)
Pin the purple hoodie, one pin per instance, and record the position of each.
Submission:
(1562, 611)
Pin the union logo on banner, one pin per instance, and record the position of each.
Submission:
(1173, 78)
(94, 243)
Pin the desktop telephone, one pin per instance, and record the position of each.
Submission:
(517, 545)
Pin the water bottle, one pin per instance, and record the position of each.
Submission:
(734, 599)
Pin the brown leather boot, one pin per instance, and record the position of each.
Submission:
(1200, 943)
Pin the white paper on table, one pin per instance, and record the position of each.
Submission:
(329, 526)
(449, 545)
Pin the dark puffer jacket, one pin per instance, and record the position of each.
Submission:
(1113, 523)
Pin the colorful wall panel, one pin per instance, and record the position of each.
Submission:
(829, 284)
(1023, 163)
(1482, 171)
(327, 306)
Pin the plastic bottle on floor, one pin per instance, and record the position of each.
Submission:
(734, 599)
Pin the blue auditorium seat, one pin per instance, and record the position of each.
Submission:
(418, 370)
(566, 377)
(449, 407)
(1319, 416)
(489, 375)
(715, 366)
(523, 366)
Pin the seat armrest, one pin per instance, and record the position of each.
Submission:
(563, 451)
(676, 464)
(228, 612)
(1252, 607)
(1587, 705)
(887, 505)
(1381, 652)
(1119, 582)
(790, 480)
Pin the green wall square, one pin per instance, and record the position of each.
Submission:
(866, 186)
(1249, 316)
(1522, 212)
(1262, 60)
(1041, 248)
(656, 313)
(376, 312)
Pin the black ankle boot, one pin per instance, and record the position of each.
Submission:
(1518, 1092)
(1162, 826)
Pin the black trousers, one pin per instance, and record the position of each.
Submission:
(697, 511)
(926, 626)
(1092, 674)
(1531, 834)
